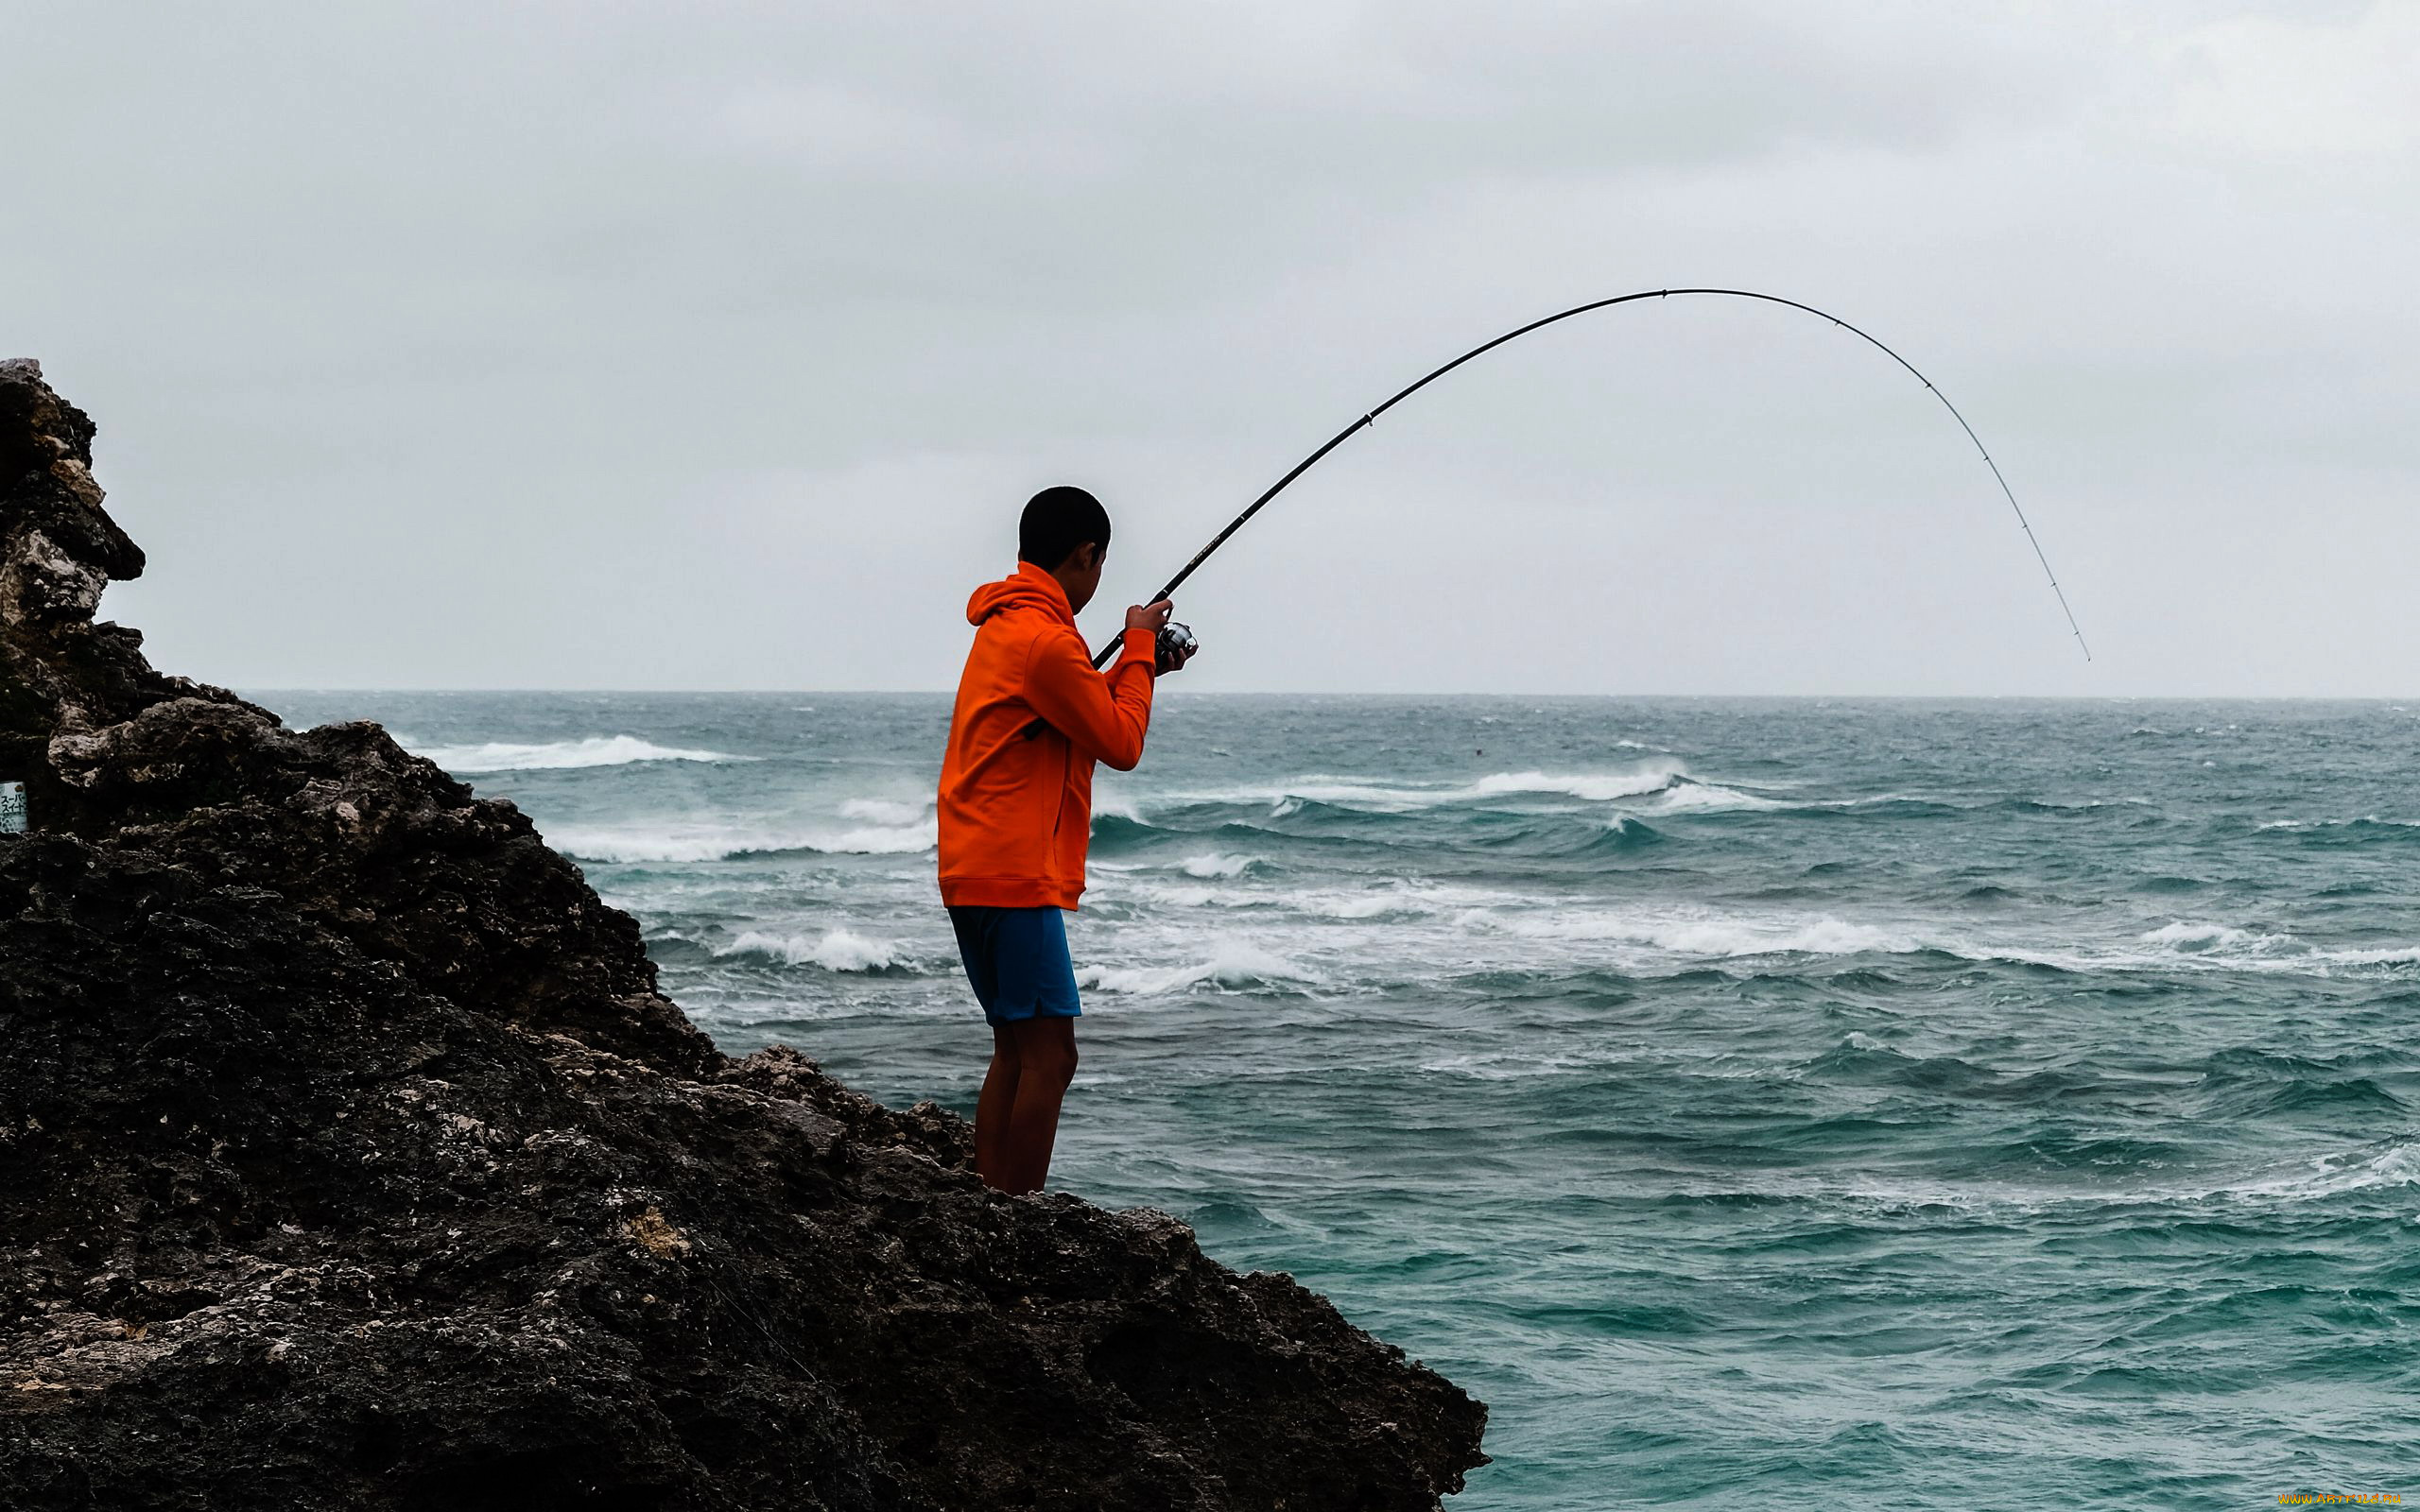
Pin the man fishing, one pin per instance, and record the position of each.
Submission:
(1033, 716)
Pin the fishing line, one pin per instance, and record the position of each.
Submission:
(1370, 417)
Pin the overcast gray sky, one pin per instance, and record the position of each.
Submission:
(659, 345)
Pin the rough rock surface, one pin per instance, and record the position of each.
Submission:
(350, 1158)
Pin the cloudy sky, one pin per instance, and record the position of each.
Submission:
(696, 345)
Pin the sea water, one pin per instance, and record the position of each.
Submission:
(1789, 1103)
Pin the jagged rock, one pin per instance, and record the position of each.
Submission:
(351, 1159)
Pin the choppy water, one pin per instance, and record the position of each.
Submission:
(1912, 1105)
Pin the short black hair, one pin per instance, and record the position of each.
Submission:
(1056, 522)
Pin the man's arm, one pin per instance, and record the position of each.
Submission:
(1103, 715)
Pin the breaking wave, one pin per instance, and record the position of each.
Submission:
(834, 950)
(1707, 797)
(1394, 796)
(596, 750)
(2395, 1165)
(2182, 946)
(1215, 864)
(694, 843)
(1654, 788)
(1233, 963)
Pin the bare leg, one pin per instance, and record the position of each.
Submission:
(1045, 1059)
(993, 1112)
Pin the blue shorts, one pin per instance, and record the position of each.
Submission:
(1016, 960)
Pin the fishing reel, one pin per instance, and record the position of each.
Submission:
(1175, 644)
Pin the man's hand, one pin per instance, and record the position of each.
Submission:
(1155, 618)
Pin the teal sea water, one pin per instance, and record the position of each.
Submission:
(1789, 1103)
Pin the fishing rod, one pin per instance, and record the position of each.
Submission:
(1370, 417)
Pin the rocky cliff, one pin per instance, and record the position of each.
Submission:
(351, 1159)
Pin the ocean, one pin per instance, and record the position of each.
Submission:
(1802, 1102)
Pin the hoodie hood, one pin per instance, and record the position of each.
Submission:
(1029, 587)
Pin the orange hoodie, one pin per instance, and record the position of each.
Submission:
(1033, 716)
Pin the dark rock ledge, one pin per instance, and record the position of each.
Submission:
(350, 1159)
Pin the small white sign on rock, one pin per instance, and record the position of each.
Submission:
(13, 808)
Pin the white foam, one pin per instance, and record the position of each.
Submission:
(834, 950)
(686, 843)
(1231, 963)
(2336, 824)
(2322, 1177)
(2189, 938)
(1655, 777)
(2392, 955)
(1115, 806)
(1350, 905)
(1391, 898)
(1660, 786)
(1707, 937)
(2183, 935)
(2328, 1174)
(884, 811)
(1486, 1066)
(596, 750)
(1707, 798)
(1644, 940)
(880, 840)
(1212, 864)
(1387, 797)
(1381, 797)
(2249, 950)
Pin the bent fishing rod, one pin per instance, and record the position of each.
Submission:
(1370, 417)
